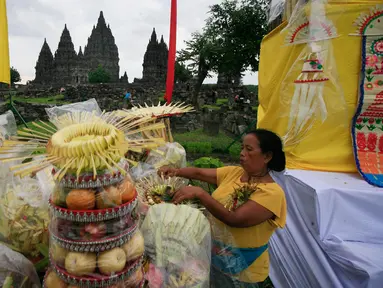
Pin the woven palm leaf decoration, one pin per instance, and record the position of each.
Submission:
(80, 142)
(310, 27)
(367, 125)
(161, 113)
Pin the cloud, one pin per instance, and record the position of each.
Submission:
(131, 23)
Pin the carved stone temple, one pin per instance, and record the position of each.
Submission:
(67, 66)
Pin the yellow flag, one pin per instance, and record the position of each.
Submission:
(5, 75)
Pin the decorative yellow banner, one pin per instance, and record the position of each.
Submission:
(5, 76)
(326, 144)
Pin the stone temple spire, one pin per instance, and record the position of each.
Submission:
(65, 58)
(101, 20)
(153, 38)
(124, 78)
(44, 65)
(155, 60)
(102, 49)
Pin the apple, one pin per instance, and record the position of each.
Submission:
(58, 254)
(53, 281)
(93, 231)
(112, 261)
(135, 247)
(80, 264)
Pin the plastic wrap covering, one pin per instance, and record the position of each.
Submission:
(24, 220)
(90, 105)
(16, 270)
(178, 246)
(142, 170)
(313, 77)
(156, 190)
(95, 241)
(276, 9)
(8, 126)
(171, 154)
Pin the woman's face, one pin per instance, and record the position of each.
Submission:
(252, 159)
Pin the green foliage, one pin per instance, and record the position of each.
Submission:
(15, 76)
(211, 107)
(207, 144)
(222, 101)
(252, 88)
(208, 162)
(238, 27)
(198, 147)
(235, 150)
(100, 75)
(182, 73)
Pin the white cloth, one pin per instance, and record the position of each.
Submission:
(334, 232)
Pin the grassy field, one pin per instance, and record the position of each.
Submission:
(197, 142)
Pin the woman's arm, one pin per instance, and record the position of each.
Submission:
(201, 174)
(247, 215)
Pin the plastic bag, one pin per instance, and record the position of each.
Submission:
(178, 246)
(16, 270)
(276, 8)
(171, 154)
(8, 126)
(25, 219)
(90, 105)
(142, 170)
(311, 87)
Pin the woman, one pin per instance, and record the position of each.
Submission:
(247, 207)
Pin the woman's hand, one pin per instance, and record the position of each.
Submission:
(167, 172)
(187, 193)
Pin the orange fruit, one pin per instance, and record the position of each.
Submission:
(81, 199)
(127, 190)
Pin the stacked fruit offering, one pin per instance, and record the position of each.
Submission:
(95, 241)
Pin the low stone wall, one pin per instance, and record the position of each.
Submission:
(31, 112)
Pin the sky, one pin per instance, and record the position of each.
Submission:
(131, 21)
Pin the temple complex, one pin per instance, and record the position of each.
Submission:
(69, 67)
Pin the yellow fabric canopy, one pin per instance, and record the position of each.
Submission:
(328, 146)
(4, 47)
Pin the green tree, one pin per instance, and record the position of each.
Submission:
(201, 55)
(99, 75)
(182, 73)
(229, 43)
(238, 27)
(15, 76)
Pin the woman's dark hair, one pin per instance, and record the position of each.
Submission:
(270, 142)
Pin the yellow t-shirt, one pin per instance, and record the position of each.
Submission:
(270, 196)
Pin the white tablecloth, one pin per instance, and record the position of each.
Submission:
(334, 232)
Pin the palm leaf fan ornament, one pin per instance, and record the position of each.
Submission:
(178, 241)
(314, 31)
(80, 142)
(160, 113)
